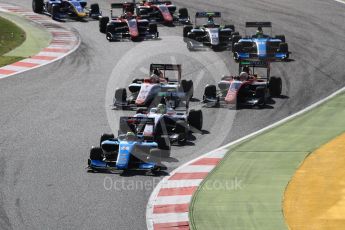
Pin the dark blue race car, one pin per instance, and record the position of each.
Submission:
(135, 148)
(61, 9)
(260, 46)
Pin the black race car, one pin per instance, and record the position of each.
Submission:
(208, 32)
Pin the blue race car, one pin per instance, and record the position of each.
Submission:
(60, 9)
(135, 148)
(260, 46)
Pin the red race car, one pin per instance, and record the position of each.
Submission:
(246, 90)
(127, 26)
(162, 12)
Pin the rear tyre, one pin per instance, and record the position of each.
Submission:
(120, 96)
(94, 9)
(281, 37)
(210, 92)
(96, 153)
(260, 93)
(232, 27)
(195, 119)
(182, 131)
(186, 30)
(283, 48)
(188, 88)
(275, 86)
(153, 29)
(141, 111)
(37, 6)
(163, 142)
(235, 39)
(183, 13)
(55, 11)
(159, 153)
(103, 21)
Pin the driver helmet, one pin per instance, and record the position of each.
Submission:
(246, 69)
(155, 78)
(161, 108)
(157, 72)
(128, 15)
(210, 21)
(243, 76)
(130, 136)
(259, 32)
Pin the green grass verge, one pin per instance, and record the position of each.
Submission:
(11, 36)
(36, 38)
(262, 167)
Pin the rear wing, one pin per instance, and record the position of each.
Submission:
(116, 5)
(136, 125)
(255, 64)
(163, 2)
(165, 67)
(208, 14)
(258, 24)
(126, 7)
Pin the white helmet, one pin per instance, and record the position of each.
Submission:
(243, 76)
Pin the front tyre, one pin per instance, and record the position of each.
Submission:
(195, 119)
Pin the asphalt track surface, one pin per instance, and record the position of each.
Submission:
(50, 116)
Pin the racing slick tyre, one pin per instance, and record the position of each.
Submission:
(190, 46)
(232, 27)
(141, 111)
(182, 130)
(55, 11)
(163, 142)
(109, 31)
(188, 88)
(96, 153)
(210, 92)
(284, 48)
(281, 37)
(106, 136)
(235, 39)
(275, 86)
(103, 21)
(153, 29)
(120, 96)
(158, 153)
(195, 119)
(37, 6)
(186, 30)
(94, 9)
(137, 80)
(260, 92)
(237, 47)
(235, 33)
(183, 13)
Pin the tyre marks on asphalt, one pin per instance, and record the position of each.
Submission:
(168, 206)
(64, 42)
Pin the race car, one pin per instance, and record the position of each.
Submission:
(208, 32)
(61, 9)
(174, 122)
(260, 46)
(246, 90)
(135, 148)
(162, 12)
(145, 92)
(127, 26)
